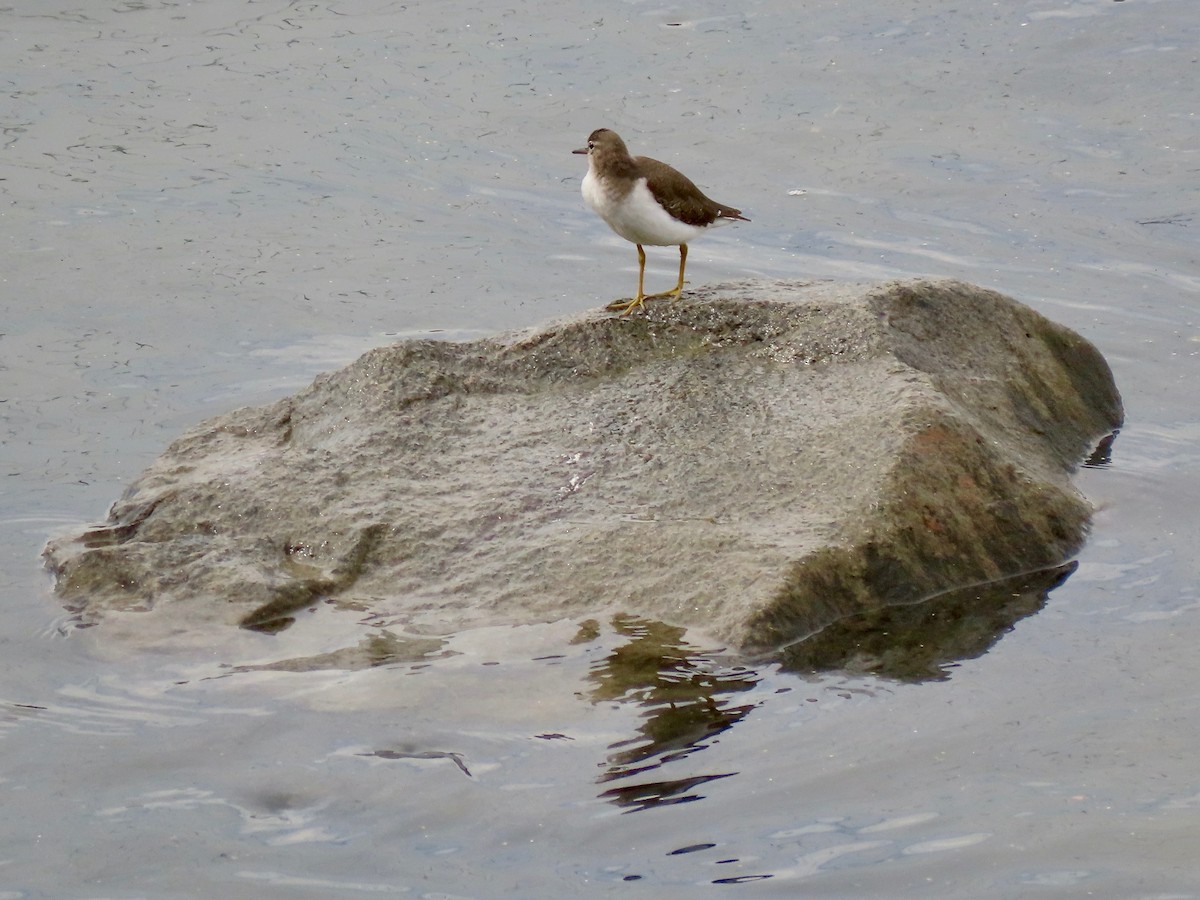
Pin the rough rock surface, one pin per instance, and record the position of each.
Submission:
(755, 462)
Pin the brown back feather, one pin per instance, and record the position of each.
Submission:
(680, 196)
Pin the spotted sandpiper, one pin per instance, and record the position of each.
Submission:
(647, 202)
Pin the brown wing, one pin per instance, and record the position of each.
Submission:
(680, 196)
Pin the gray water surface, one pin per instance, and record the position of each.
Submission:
(203, 205)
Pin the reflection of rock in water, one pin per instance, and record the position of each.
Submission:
(921, 641)
(1101, 456)
(379, 649)
(682, 694)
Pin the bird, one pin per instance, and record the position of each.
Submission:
(647, 202)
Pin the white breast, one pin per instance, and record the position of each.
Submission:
(636, 216)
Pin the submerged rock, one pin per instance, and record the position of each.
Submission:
(754, 462)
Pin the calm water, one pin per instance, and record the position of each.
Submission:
(204, 205)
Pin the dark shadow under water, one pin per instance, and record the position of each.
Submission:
(688, 695)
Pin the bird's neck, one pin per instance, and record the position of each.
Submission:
(613, 166)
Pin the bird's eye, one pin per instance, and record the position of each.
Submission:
(591, 145)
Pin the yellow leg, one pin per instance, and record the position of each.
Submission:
(676, 291)
(627, 306)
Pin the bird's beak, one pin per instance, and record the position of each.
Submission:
(582, 150)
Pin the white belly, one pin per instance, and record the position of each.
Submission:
(637, 216)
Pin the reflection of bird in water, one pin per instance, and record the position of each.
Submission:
(685, 698)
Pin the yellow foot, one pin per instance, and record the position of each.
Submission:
(625, 307)
(674, 294)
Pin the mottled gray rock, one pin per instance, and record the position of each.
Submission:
(754, 462)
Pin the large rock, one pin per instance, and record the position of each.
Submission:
(755, 462)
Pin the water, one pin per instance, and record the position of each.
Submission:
(205, 205)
